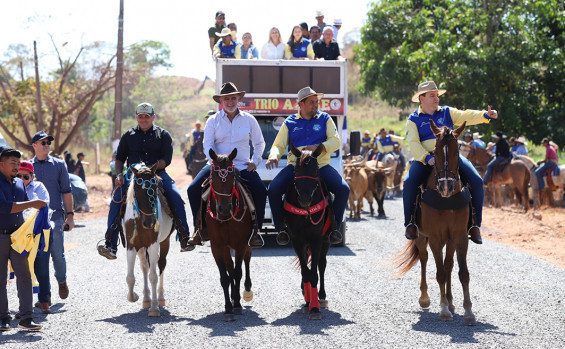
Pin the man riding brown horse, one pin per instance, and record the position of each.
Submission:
(422, 141)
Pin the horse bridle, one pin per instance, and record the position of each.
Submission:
(318, 185)
(454, 174)
(147, 184)
(223, 173)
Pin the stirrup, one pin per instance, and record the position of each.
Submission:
(256, 245)
(283, 240)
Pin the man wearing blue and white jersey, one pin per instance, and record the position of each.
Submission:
(422, 141)
(306, 130)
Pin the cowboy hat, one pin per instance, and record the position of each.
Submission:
(476, 135)
(554, 145)
(522, 140)
(224, 32)
(228, 89)
(307, 92)
(425, 87)
(499, 134)
(197, 122)
(209, 113)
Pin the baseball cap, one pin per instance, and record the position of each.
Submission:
(26, 166)
(145, 108)
(9, 151)
(219, 13)
(41, 135)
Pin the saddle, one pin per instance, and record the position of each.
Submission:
(550, 173)
(498, 168)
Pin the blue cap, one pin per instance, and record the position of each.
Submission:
(41, 135)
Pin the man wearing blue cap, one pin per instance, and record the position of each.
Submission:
(14, 200)
(150, 144)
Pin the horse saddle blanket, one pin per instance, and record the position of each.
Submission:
(502, 166)
(458, 201)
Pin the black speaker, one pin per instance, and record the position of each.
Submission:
(355, 143)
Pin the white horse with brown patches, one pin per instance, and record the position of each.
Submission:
(148, 226)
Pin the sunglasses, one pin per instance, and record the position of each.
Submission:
(45, 142)
(26, 177)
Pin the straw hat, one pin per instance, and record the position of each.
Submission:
(224, 32)
(307, 92)
(476, 135)
(198, 122)
(425, 87)
(522, 140)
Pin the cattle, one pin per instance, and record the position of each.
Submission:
(377, 185)
(357, 179)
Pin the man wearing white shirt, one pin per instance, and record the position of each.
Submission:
(228, 129)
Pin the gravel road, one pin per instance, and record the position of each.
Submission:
(518, 300)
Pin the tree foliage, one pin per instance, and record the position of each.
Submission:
(505, 53)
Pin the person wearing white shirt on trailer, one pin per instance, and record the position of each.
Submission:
(274, 48)
(228, 129)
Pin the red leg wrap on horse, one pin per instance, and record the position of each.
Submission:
(314, 303)
(307, 289)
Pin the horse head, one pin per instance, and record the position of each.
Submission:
(306, 174)
(446, 154)
(145, 191)
(223, 181)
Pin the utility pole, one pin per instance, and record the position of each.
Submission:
(118, 106)
(37, 88)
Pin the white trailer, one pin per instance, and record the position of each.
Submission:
(271, 87)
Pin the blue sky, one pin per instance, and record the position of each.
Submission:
(180, 24)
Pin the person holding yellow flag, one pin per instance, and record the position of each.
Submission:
(13, 200)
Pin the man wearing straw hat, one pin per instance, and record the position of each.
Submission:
(226, 48)
(521, 146)
(477, 141)
(228, 129)
(549, 163)
(422, 141)
(306, 130)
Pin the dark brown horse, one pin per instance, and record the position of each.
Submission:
(306, 215)
(148, 226)
(517, 174)
(228, 220)
(440, 228)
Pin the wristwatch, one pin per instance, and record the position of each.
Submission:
(71, 212)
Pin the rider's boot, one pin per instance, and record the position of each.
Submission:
(184, 239)
(411, 232)
(282, 237)
(475, 234)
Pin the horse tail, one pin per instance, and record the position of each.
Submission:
(406, 258)
(296, 261)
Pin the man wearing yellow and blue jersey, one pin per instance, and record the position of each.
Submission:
(385, 144)
(422, 141)
(226, 47)
(306, 130)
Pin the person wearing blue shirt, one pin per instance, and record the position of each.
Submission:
(226, 47)
(520, 146)
(248, 50)
(14, 200)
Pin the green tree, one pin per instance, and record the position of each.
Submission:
(505, 53)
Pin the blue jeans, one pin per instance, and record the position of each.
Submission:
(171, 192)
(57, 252)
(334, 182)
(497, 160)
(418, 174)
(254, 183)
(548, 165)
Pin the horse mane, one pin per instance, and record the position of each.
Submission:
(304, 155)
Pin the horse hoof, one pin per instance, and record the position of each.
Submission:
(452, 309)
(446, 317)
(247, 295)
(237, 311)
(154, 313)
(306, 309)
(229, 317)
(147, 304)
(315, 314)
(162, 302)
(425, 303)
(323, 303)
(133, 297)
(469, 320)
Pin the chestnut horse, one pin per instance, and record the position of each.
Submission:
(517, 174)
(228, 220)
(306, 215)
(440, 228)
(148, 228)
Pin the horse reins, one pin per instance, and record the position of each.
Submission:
(223, 174)
(318, 185)
(446, 170)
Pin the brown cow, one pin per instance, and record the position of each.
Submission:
(356, 178)
(377, 185)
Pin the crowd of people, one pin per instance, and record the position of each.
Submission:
(317, 42)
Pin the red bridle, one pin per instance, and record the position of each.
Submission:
(223, 173)
(321, 206)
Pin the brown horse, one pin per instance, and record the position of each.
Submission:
(441, 228)
(228, 220)
(517, 174)
(148, 226)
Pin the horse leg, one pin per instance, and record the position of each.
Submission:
(163, 252)
(153, 253)
(247, 293)
(301, 253)
(322, 269)
(225, 279)
(237, 275)
(380, 203)
(351, 207)
(468, 317)
(422, 246)
(144, 264)
(315, 249)
(448, 265)
(130, 278)
(444, 314)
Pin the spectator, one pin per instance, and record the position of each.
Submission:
(71, 163)
(226, 48)
(327, 48)
(320, 18)
(336, 27)
(297, 47)
(248, 50)
(79, 171)
(53, 173)
(274, 48)
(305, 32)
(315, 33)
(216, 28)
(512, 144)
(34, 189)
(233, 27)
(477, 141)
(467, 138)
(521, 146)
